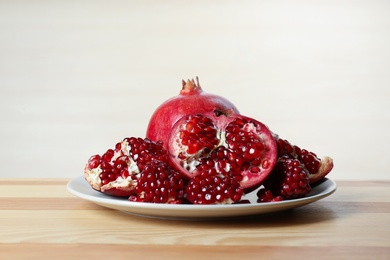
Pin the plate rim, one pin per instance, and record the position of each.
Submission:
(326, 187)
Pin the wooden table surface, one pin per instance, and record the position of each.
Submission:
(40, 219)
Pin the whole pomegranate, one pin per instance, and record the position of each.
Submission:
(225, 143)
(191, 99)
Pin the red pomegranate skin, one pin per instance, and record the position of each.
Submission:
(191, 99)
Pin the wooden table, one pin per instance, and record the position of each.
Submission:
(39, 219)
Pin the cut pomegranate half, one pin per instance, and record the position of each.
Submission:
(234, 145)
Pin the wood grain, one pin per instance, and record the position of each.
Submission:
(118, 252)
(354, 221)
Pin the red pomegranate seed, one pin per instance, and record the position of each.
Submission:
(94, 161)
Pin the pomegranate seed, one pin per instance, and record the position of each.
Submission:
(125, 173)
(94, 161)
(105, 181)
(255, 169)
(108, 155)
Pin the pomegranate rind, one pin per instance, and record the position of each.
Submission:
(325, 168)
(249, 180)
(191, 99)
(118, 191)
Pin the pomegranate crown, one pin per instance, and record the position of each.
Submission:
(190, 86)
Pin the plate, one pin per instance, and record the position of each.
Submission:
(80, 188)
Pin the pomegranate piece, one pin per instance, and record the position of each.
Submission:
(233, 145)
(191, 99)
(116, 171)
(159, 183)
(317, 168)
(288, 180)
(211, 188)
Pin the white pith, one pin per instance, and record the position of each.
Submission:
(93, 175)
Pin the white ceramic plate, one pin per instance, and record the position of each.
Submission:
(79, 187)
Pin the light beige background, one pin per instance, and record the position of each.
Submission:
(78, 76)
